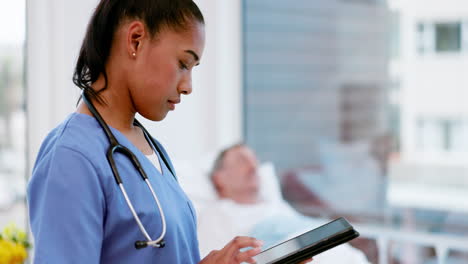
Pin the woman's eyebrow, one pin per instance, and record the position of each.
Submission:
(195, 56)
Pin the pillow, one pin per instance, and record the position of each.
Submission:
(193, 176)
(270, 189)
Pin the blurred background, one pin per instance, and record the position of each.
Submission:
(360, 104)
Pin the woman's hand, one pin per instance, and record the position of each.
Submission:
(231, 253)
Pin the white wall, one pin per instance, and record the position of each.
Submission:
(54, 31)
(210, 118)
(207, 120)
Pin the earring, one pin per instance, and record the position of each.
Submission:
(134, 54)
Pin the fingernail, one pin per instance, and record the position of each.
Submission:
(259, 243)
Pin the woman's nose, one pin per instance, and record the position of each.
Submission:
(185, 86)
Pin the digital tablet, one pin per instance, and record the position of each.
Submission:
(309, 243)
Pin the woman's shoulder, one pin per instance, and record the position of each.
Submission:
(79, 133)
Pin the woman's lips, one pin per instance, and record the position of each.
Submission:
(172, 103)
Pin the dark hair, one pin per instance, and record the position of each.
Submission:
(94, 53)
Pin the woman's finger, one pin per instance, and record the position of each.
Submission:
(241, 242)
(246, 256)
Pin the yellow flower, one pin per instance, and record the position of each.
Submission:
(6, 248)
(13, 243)
(12, 253)
(22, 236)
(8, 230)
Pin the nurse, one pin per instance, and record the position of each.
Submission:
(136, 57)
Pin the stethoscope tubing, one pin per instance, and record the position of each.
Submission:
(149, 242)
(115, 146)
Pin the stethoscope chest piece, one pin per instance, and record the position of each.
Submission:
(143, 244)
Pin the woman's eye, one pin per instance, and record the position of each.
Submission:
(183, 66)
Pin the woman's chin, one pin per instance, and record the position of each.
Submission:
(155, 116)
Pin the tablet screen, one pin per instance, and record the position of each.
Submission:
(305, 240)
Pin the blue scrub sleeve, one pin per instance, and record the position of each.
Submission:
(67, 208)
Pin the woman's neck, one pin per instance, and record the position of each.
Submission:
(116, 109)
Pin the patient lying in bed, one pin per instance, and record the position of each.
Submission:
(239, 197)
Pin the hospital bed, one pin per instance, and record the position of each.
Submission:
(272, 220)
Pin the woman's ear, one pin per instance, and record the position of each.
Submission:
(135, 35)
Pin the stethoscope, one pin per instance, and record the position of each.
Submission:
(115, 146)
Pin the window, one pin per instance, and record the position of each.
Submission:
(447, 37)
(441, 135)
(12, 114)
(421, 38)
(431, 135)
(331, 101)
(447, 134)
(438, 37)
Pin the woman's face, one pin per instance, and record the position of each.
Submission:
(163, 70)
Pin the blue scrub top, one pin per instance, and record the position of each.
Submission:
(79, 215)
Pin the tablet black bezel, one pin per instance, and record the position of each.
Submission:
(335, 239)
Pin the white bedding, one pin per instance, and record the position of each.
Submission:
(219, 221)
